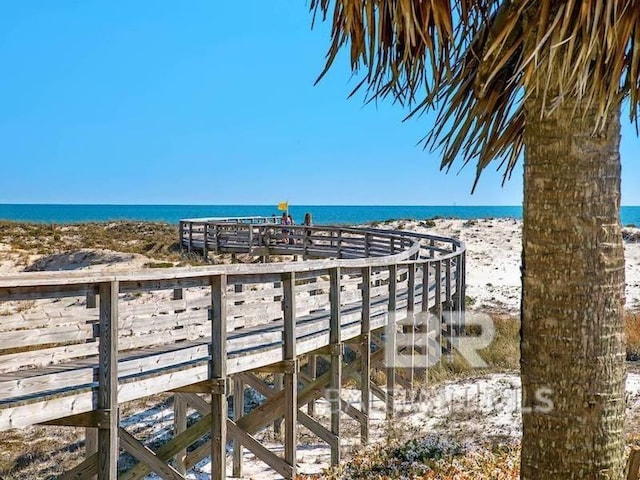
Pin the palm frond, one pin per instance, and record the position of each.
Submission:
(475, 62)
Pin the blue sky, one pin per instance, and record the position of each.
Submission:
(205, 102)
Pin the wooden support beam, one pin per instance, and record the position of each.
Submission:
(424, 320)
(290, 378)
(278, 384)
(218, 371)
(93, 419)
(448, 304)
(312, 365)
(278, 367)
(84, 471)
(263, 453)
(373, 387)
(238, 411)
(317, 429)
(438, 301)
(180, 425)
(410, 327)
(390, 339)
(336, 358)
(205, 235)
(172, 447)
(205, 386)
(365, 353)
(264, 414)
(91, 299)
(147, 456)
(91, 445)
(108, 381)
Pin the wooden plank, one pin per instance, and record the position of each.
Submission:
(180, 425)
(91, 446)
(264, 454)
(390, 340)
(336, 360)
(171, 448)
(219, 373)
(365, 353)
(147, 456)
(84, 471)
(47, 336)
(290, 378)
(94, 418)
(46, 356)
(108, 381)
(317, 429)
(238, 411)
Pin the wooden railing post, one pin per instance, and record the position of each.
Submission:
(181, 235)
(205, 235)
(190, 245)
(291, 374)
(179, 405)
(335, 342)
(463, 281)
(108, 381)
(390, 338)
(424, 319)
(365, 354)
(216, 238)
(410, 328)
(438, 303)
(218, 370)
(449, 319)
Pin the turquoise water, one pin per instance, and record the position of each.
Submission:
(350, 214)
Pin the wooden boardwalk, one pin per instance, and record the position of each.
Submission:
(75, 346)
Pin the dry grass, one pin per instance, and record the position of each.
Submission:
(632, 327)
(503, 355)
(155, 240)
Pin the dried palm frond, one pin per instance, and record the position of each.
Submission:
(475, 61)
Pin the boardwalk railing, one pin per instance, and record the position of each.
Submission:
(75, 345)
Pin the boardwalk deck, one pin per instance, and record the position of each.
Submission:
(74, 346)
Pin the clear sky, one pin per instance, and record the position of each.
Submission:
(209, 102)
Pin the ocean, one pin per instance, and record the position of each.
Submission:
(322, 214)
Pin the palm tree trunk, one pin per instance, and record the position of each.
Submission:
(572, 338)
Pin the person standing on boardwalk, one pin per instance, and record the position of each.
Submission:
(285, 220)
(291, 222)
(308, 222)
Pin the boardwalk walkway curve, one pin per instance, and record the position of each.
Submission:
(75, 346)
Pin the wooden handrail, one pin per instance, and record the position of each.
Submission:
(116, 348)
